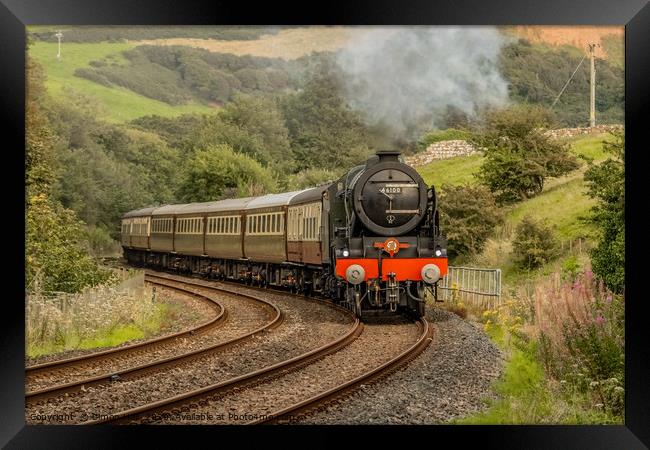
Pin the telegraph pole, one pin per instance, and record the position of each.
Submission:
(592, 105)
(59, 35)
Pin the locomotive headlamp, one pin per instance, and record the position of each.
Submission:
(345, 252)
(430, 273)
(355, 274)
(438, 252)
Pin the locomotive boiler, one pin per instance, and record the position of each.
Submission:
(370, 240)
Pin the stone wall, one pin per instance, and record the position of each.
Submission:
(441, 150)
(451, 149)
(570, 132)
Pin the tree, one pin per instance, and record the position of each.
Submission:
(468, 214)
(40, 159)
(534, 244)
(217, 171)
(54, 254)
(324, 131)
(519, 157)
(261, 118)
(606, 184)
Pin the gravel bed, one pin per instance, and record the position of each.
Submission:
(448, 381)
(194, 310)
(244, 315)
(306, 325)
(386, 340)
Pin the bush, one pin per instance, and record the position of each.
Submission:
(518, 156)
(534, 244)
(469, 215)
(100, 243)
(309, 178)
(55, 257)
(606, 183)
(580, 327)
(217, 172)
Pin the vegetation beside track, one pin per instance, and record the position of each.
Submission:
(103, 316)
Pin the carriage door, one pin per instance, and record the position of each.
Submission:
(294, 244)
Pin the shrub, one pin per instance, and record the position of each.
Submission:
(55, 258)
(217, 171)
(580, 332)
(534, 244)
(469, 215)
(518, 156)
(606, 184)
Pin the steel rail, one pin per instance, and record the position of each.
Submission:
(143, 369)
(292, 413)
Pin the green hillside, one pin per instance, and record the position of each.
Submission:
(115, 104)
(562, 203)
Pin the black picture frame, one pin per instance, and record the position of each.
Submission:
(634, 14)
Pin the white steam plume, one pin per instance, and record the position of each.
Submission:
(404, 76)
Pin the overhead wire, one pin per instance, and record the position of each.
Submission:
(568, 81)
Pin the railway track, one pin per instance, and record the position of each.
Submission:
(299, 410)
(173, 406)
(53, 369)
(204, 403)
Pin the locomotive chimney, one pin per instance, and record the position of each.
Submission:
(388, 155)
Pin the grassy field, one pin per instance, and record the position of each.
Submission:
(458, 170)
(563, 201)
(115, 104)
(562, 204)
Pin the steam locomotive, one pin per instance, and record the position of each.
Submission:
(370, 240)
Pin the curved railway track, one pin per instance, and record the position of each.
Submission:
(164, 410)
(198, 402)
(52, 369)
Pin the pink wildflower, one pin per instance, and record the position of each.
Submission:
(600, 320)
(609, 298)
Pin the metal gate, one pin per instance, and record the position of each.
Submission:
(471, 285)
